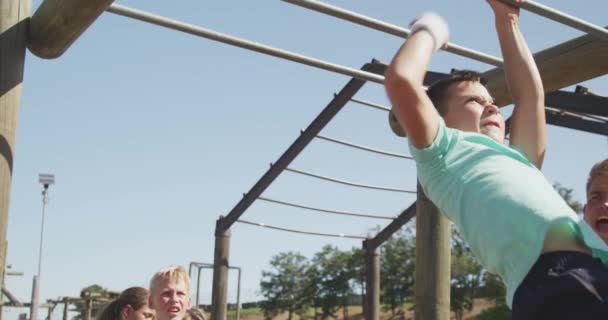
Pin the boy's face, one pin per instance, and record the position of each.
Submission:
(170, 298)
(471, 108)
(596, 209)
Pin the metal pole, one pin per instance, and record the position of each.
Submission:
(241, 43)
(36, 284)
(198, 286)
(432, 285)
(389, 28)
(561, 17)
(45, 201)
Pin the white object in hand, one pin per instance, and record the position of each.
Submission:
(435, 25)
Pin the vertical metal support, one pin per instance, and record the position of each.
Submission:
(220, 272)
(34, 301)
(66, 305)
(198, 287)
(432, 287)
(13, 39)
(88, 309)
(372, 281)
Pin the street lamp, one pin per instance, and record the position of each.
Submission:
(46, 180)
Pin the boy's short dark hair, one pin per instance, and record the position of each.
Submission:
(437, 91)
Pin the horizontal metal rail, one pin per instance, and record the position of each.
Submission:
(390, 29)
(241, 43)
(354, 184)
(370, 104)
(336, 235)
(560, 17)
(347, 213)
(349, 144)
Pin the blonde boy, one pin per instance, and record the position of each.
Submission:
(170, 293)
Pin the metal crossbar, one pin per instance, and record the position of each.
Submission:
(241, 43)
(560, 17)
(357, 146)
(336, 235)
(348, 213)
(354, 184)
(390, 28)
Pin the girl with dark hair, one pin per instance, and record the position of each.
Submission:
(132, 304)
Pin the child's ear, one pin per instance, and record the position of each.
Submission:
(125, 311)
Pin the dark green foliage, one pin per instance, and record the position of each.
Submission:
(500, 312)
(287, 287)
(397, 270)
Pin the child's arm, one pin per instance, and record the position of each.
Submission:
(528, 127)
(404, 80)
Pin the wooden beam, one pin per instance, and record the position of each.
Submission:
(219, 293)
(56, 24)
(566, 64)
(13, 34)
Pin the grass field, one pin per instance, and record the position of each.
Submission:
(355, 313)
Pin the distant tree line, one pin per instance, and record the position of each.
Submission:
(333, 279)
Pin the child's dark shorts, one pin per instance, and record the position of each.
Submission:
(563, 285)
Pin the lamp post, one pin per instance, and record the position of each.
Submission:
(46, 180)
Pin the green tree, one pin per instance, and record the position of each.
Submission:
(467, 276)
(96, 293)
(286, 288)
(336, 275)
(397, 269)
(566, 194)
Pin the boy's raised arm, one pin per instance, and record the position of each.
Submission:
(528, 127)
(405, 75)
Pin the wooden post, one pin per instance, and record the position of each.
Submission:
(66, 304)
(56, 24)
(49, 312)
(220, 272)
(3, 248)
(432, 287)
(88, 309)
(13, 39)
(372, 281)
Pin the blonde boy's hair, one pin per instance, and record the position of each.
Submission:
(599, 169)
(173, 273)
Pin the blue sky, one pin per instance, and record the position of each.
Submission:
(152, 134)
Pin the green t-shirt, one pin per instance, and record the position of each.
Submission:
(501, 203)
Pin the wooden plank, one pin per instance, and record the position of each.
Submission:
(566, 64)
(56, 24)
